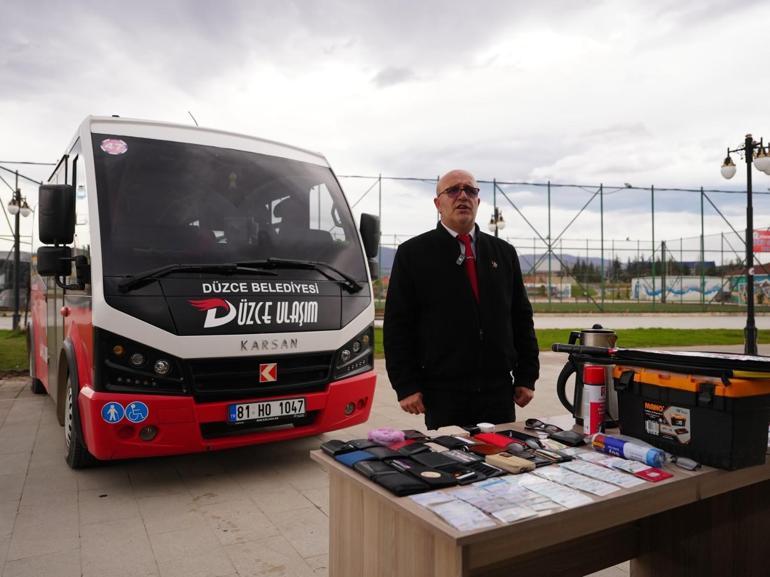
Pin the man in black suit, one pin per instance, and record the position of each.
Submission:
(460, 344)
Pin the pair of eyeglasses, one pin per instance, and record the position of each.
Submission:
(454, 191)
(538, 425)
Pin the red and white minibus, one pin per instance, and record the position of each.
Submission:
(198, 290)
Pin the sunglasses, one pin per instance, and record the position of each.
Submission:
(454, 191)
(538, 425)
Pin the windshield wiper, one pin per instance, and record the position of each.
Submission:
(146, 277)
(347, 282)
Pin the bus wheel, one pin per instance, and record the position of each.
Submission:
(77, 455)
(37, 386)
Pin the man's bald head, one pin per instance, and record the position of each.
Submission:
(453, 177)
(457, 200)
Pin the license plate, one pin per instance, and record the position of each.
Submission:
(265, 411)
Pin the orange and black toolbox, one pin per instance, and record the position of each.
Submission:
(711, 407)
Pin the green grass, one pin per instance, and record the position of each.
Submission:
(641, 307)
(13, 346)
(639, 338)
(13, 352)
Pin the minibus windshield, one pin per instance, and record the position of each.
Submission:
(162, 203)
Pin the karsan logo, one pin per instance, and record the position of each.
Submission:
(268, 372)
(212, 306)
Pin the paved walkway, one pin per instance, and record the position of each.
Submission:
(255, 511)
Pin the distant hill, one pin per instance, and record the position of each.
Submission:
(525, 261)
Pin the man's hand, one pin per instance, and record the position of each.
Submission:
(522, 396)
(413, 404)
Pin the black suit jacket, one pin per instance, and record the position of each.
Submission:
(438, 337)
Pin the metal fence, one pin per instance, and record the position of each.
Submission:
(686, 236)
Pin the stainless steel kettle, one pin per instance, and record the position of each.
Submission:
(597, 336)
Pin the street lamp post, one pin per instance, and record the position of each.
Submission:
(496, 222)
(754, 153)
(18, 207)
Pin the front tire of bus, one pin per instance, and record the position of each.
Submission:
(77, 455)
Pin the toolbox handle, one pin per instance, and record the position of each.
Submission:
(625, 381)
(705, 394)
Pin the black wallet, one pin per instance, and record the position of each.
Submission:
(363, 443)
(450, 442)
(433, 477)
(570, 438)
(401, 484)
(434, 459)
(336, 447)
(413, 449)
(383, 453)
(370, 469)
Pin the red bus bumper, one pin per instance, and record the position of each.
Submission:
(178, 420)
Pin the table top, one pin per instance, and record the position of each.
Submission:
(620, 507)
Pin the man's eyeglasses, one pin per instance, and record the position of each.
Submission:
(454, 191)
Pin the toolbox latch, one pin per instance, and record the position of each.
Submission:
(705, 394)
(625, 380)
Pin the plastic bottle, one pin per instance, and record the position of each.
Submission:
(594, 398)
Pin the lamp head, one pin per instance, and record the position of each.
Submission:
(728, 168)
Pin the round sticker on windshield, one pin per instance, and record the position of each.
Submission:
(114, 146)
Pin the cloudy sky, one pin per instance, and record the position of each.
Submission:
(643, 92)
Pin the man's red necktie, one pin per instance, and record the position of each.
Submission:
(470, 263)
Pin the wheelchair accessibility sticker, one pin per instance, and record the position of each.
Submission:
(112, 412)
(137, 411)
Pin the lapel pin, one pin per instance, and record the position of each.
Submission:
(494, 264)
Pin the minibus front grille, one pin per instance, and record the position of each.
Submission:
(231, 378)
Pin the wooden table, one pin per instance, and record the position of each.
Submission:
(702, 523)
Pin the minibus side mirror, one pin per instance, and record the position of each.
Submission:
(54, 261)
(374, 268)
(56, 213)
(370, 234)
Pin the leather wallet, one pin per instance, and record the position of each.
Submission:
(370, 469)
(450, 442)
(511, 463)
(363, 443)
(336, 447)
(401, 484)
(353, 457)
(570, 438)
(413, 449)
(433, 477)
(495, 439)
(434, 459)
(383, 453)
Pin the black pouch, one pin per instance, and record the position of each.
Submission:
(370, 469)
(434, 459)
(463, 475)
(433, 477)
(570, 438)
(383, 453)
(363, 443)
(413, 449)
(401, 484)
(336, 447)
(415, 435)
(449, 442)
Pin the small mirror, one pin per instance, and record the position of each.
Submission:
(56, 213)
(374, 268)
(54, 261)
(370, 234)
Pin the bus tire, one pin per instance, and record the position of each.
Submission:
(77, 455)
(37, 387)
